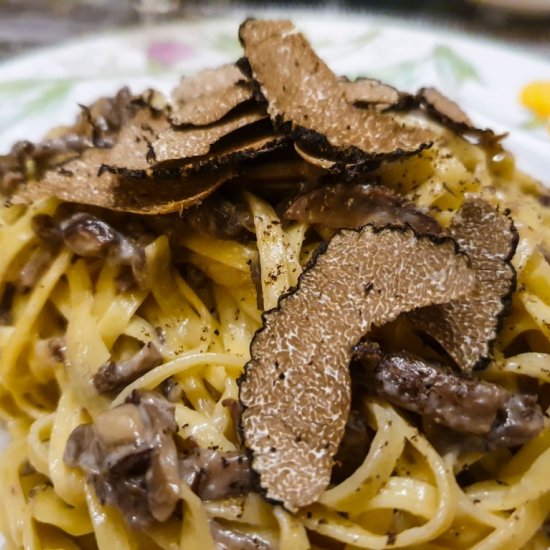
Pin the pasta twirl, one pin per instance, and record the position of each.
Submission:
(196, 295)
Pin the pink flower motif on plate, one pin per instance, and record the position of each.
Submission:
(168, 53)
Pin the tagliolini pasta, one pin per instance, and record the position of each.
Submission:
(405, 494)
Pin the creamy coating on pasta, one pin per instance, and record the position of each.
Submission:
(199, 306)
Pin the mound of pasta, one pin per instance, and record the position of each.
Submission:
(277, 310)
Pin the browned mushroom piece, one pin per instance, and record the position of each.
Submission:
(213, 475)
(305, 98)
(208, 81)
(353, 447)
(462, 403)
(130, 457)
(369, 92)
(221, 218)
(351, 206)
(115, 374)
(209, 108)
(467, 328)
(296, 387)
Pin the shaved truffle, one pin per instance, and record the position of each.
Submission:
(96, 126)
(351, 206)
(307, 99)
(313, 158)
(131, 150)
(210, 108)
(448, 113)
(205, 82)
(296, 387)
(467, 328)
(441, 106)
(368, 92)
(78, 182)
(173, 144)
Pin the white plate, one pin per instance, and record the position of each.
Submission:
(42, 89)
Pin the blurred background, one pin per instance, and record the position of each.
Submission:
(27, 24)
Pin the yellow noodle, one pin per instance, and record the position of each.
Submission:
(403, 495)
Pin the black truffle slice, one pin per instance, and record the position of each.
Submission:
(315, 159)
(132, 148)
(174, 144)
(369, 92)
(208, 81)
(309, 100)
(296, 387)
(350, 206)
(97, 125)
(440, 106)
(448, 113)
(78, 181)
(211, 107)
(467, 328)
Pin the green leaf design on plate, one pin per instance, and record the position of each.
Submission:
(41, 95)
(453, 68)
(52, 94)
(401, 75)
(533, 123)
(227, 43)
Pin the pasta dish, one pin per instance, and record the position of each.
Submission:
(278, 310)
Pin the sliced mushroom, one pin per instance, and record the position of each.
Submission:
(351, 206)
(296, 387)
(353, 448)
(6, 303)
(214, 475)
(308, 100)
(29, 274)
(130, 457)
(467, 328)
(115, 374)
(462, 403)
(221, 218)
